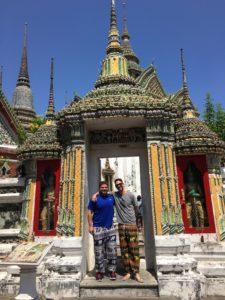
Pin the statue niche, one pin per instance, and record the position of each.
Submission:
(194, 197)
(47, 201)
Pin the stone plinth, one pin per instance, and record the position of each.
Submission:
(11, 198)
(61, 273)
(187, 287)
(27, 284)
(175, 264)
(5, 249)
(64, 265)
(172, 245)
(69, 246)
(57, 287)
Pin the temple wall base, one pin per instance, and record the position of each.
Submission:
(59, 274)
(190, 266)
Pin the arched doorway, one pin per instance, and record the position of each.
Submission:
(124, 145)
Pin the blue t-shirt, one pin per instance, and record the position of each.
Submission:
(103, 210)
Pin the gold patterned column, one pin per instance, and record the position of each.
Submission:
(71, 207)
(27, 214)
(217, 195)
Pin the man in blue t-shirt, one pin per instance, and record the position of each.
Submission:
(100, 220)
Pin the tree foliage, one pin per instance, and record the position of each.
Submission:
(214, 116)
(22, 134)
(36, 124)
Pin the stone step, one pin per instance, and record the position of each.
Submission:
(175, 264)
(208, 257)
(208, 248)
(63, 265)
(90, 288)
(212, 268)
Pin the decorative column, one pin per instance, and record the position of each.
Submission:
(71, 198)
(164, 213)
(217, 194)
(163, 177)
(179, 220)
(27, 214)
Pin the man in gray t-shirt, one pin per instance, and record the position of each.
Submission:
(127, 209)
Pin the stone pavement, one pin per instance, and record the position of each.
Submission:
(163, 298)
(118, 288)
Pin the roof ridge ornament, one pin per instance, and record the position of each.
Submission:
(51, 105)
(187, 106)
(23, 78)
(125, 30)
(113, 36)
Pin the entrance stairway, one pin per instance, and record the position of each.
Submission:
(90, 288)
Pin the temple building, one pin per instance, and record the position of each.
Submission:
(126, 114)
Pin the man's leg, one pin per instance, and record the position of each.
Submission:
(110, 236)
(98, 235)
(124, 248)
(133, 248)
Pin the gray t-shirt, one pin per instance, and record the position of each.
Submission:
(125, 208)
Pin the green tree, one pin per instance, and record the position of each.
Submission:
(214, 116)
(209, 114)
(220, 121)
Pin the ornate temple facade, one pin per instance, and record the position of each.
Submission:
(127, 114)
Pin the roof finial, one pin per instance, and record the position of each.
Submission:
(23, 78)
(187, 103)
(25, 34)
(125, 30)
(51, 106)
(1, 76)
(113, 37)
(184, 77)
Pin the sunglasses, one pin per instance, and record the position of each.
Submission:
(119, 184)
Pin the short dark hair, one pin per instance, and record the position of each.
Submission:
(118, 179)
(101, 183)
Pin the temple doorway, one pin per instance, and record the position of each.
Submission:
(114, 160)
(128, 169)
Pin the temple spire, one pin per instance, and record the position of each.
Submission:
(187, 103)
(1, 76)
(51, 106)
(125, 30)
(184, 76)
(22, 101)
(132, 59)
(113, 37)
(23, 78)
(114, 67)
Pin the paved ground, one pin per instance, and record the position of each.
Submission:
(163, 298)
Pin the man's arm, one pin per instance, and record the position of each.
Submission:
(94, 197)
(90, 221)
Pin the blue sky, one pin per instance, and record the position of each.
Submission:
(74, 32)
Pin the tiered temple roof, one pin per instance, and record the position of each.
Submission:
(193, 135)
